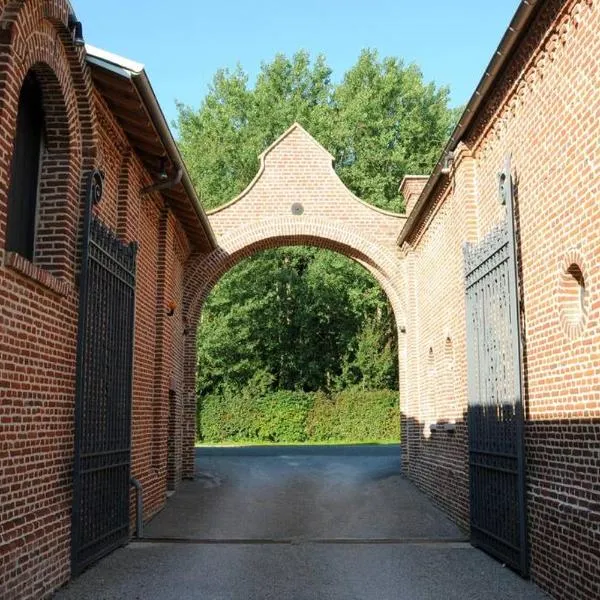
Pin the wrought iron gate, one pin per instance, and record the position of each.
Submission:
(495, 418)
(100, 520)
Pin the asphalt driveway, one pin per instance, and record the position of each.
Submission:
(292, 523)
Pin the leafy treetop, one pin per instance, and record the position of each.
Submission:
(380, 122)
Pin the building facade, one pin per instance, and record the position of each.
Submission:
(538, 104)
(67, 110)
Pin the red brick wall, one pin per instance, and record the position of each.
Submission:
(38, 306)
(296, 169)
(543, 111)
(39, 302)
(436, 361)
(179, 329)
(158, 353)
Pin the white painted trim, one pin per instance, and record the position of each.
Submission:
(114, 59)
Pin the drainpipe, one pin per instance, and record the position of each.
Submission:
(164, 185)
(139, 516)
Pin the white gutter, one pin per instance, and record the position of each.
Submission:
(114, 59)
(136, 73)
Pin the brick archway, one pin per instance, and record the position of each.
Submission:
(285, 231)
(296, 198)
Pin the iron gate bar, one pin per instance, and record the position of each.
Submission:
(102, 454)
(502, 454)
(496, 537)
(496, 415)
(506, 185)
(492, 468)
(81, 340)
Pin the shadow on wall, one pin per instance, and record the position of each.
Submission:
(562, 471)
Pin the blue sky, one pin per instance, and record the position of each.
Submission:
(183, 42)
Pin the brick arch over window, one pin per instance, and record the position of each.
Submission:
(22, 25)
(295, 199)
(34, 37)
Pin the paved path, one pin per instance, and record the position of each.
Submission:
(299, 524)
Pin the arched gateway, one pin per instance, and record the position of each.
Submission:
(296, 198)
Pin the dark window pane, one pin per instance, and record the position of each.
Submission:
(25, 170)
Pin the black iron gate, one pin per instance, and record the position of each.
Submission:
(100, 520)
(495, 418)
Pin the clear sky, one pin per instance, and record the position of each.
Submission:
(183, 42)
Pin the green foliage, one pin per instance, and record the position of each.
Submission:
(233, 413)
(389, 124)
(372, 361)
(310, 319)
(297, 320)
(283, 416)
(380, 122)
(222, 140)
(355, 414)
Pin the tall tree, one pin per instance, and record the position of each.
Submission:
(298, 315)
(222, 140)
(381, 122)
(300, 318)
(389, 123)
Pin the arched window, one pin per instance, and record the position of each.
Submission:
(25, 170)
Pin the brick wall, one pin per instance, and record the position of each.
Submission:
(296, 198)
(39, 301)
(543, 111)
(436, 361)
(38, 306)
(163, 249)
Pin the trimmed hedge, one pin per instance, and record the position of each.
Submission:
(353, 415)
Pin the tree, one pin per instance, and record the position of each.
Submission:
(301, 318)
(381, 122)
(389, 124)
(222, 140)
(296, 314)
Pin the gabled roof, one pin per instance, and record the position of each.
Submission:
(126, 89)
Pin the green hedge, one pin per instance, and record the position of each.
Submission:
(353, 415)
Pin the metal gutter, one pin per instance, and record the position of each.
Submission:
(519, 23)
(105, 57)
(136, 73)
